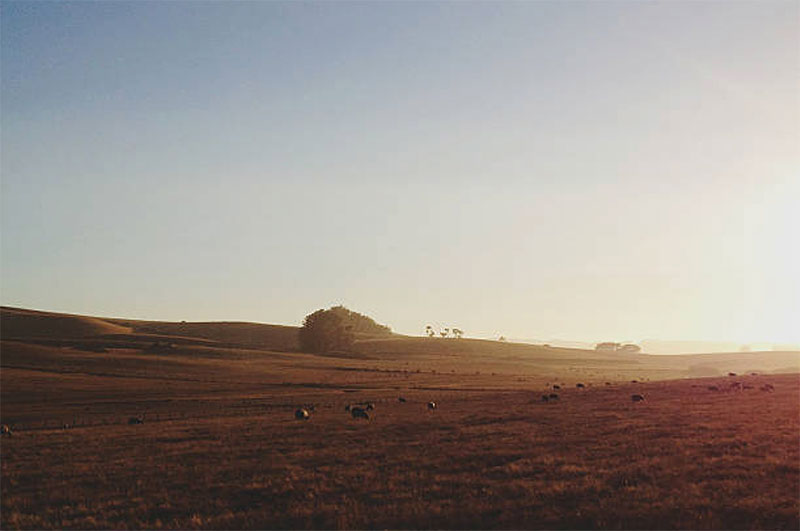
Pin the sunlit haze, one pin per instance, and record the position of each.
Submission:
(584, 171)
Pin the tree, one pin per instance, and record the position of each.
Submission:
(608, 345)
(444, 332)
(324, 331)
(630, 348)
(429, 331)
(337, 328)
(457, 332)
(618, 347)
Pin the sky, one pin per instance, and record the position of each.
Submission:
(588, 171)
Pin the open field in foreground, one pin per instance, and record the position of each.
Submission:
(220, 448)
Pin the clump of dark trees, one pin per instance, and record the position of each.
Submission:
(336, 329)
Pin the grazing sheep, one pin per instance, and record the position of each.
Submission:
(637, 398)
(5, 429)
(302, 414)
(358, 412)
(401, 399)
(553, 396)
(713, 388)
(431, 405)
(545, 398)
(731, 374)
(608, 383)
(136, 420)
(580, 385)
(556, 387)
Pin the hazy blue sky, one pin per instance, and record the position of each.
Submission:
(587, 171)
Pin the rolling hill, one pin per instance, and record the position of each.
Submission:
(232, 339)
(22, 324)
(142, 424)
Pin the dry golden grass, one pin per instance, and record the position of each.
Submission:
(220, 447)
(685, 458)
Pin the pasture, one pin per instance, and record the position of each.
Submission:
(220, 447)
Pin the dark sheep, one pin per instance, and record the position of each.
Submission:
(302, 414)
(713, 388)
(401, 399)
(580, 385)
(553, 396)
(545, 398)
(731, 374)
(359, 413)
(637, 398)
(556, 387)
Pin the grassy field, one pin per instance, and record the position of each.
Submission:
(220, 448)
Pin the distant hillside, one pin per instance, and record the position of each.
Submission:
(20, 323)
(782, 361)
(250, 335)
(653, 346)
(98, 334)
(471, 348)
(17, 323)
(507, 356)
